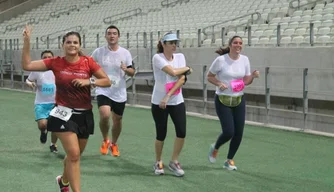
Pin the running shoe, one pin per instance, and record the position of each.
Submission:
(114, 150)
(104, 147)
(62, 187)
(158, 168)
(212, 153)
(53, 148)
(44, 136)
(176, 168)
(229, 165)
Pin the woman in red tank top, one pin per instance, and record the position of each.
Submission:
(72, 118)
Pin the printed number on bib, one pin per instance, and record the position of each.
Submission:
(169, 86)
(48, 89)
(61, 112)
(114, 81)
(237, 85)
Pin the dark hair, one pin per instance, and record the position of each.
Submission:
(46, 51)
(113, 27)
(76, 34)
(225, 50)
(160, 48)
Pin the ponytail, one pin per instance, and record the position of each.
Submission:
(223, 51)
(160, 48)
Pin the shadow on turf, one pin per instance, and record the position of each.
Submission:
(120, 167)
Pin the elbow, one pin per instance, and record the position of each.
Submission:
(173, 74)
(24, 66)
(103, 82)
(108, 82)
(132, 74)
(209, 78)
(182, 79)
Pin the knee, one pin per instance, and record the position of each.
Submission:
(161, 137)
(181, 134)
(73, 156)
(228, 134)
(104, 118)
(117, 119)
(42, 125)
(161, 134)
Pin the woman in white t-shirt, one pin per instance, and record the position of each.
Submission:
(170, 72)
(230, 72)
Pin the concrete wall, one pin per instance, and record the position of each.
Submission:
(286, 81)
(286, 68)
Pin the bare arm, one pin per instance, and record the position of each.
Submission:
(248, 79)
(212, 79)
(130, 71)
(177, 85)
(175, 71)
(26, 62)
(102, 80)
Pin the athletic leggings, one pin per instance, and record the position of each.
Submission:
(232, 121)
(178, 116)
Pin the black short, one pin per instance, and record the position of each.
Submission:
(82, 124)
(117, 108)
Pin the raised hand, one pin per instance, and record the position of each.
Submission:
(27, 32)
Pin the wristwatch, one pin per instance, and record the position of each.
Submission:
(92, 81)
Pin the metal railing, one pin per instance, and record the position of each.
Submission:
(64, 11)
(122, 16)
(299, 5)
(172, 3)
(212, 27)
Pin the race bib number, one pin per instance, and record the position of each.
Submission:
(61, 112)
(48, 89)
(114, 81)
(237, 85)
(169, 86)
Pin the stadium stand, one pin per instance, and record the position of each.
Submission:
(254, 19)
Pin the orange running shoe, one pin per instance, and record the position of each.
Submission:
(104, 147)
(114, 150)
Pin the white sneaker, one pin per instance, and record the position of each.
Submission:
(212, 153)
(158, 168)
(176, 168)
(229, 165)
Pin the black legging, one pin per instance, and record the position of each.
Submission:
(178, 115)
(232, 121)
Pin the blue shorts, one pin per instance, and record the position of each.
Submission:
(42, 111)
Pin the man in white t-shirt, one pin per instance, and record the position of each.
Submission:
(116, 61)
(44, 82)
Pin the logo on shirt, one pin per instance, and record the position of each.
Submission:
(78, 74)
